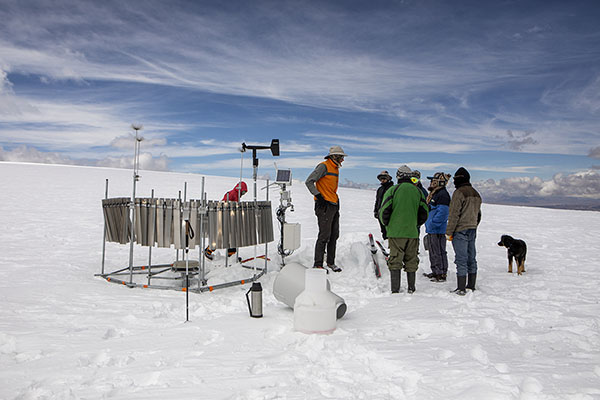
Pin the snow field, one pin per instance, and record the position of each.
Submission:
(65, 334)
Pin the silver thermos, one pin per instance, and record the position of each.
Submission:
(254, 298)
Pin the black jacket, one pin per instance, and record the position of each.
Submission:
(379, 197)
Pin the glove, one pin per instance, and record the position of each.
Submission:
(449, 237)
(321, 202)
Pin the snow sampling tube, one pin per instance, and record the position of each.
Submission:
(290, 282)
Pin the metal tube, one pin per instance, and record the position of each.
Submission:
(132, 205)
(254, 175)
(267, 219)
(178, 232)
(104, 235)
(201, 259)
(151, 237)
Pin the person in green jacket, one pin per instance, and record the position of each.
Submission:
(402, 211)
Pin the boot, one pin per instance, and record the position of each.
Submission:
(410, 277)
(462, 282)
(472, 278)
(208, 253)
(395, 275)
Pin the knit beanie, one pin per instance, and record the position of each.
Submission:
(461, 176)
(403, 172)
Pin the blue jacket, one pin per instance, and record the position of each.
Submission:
(438, 214)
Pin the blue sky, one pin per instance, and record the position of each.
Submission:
(508, 89)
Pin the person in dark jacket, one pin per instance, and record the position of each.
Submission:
(386, 182)
(233, 195)
(463, 218)
(438, 201)
(403, 209)
(323, 184)
(416, 179)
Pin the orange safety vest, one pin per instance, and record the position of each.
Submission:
(328, 184)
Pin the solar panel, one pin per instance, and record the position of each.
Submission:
(284, 176)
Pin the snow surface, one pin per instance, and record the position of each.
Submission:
(66, 334)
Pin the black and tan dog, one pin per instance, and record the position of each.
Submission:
(517, 249)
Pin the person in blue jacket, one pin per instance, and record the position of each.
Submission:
(438, 201)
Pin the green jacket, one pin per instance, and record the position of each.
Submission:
(403, 209)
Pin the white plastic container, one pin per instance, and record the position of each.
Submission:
(315, 308)
(289, 283)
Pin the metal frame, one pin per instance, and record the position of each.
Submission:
(158, 271)
(129, 228)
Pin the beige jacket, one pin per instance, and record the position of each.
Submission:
(465, 210)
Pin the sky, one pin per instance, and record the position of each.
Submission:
(508, 89)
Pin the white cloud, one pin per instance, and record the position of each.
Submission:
(146, 161)
(30, 154)
(399, 143)
(437, 88)
(594, 152)
(126, 142)
(579, 184)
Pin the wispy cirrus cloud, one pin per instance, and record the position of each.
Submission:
(74, 75)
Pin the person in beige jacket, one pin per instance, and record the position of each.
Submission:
(463, 219)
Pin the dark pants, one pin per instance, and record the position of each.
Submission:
(383, 231)
(438, 257)
(464, 251)
(403, 254)
(328, 218)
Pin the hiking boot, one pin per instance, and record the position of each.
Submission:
(334, 268)
(208, 253)
(429, 275)
(438, 278)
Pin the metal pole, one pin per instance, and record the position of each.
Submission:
(132, 204)
(242, 150)
(152, 243)
(254, 177)
(187, 271)
(104, 236)
(227, 250)
(201, 259)
(266, 243)
(242, 163)
(174, 233)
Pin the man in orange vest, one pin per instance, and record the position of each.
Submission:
(323, 184)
